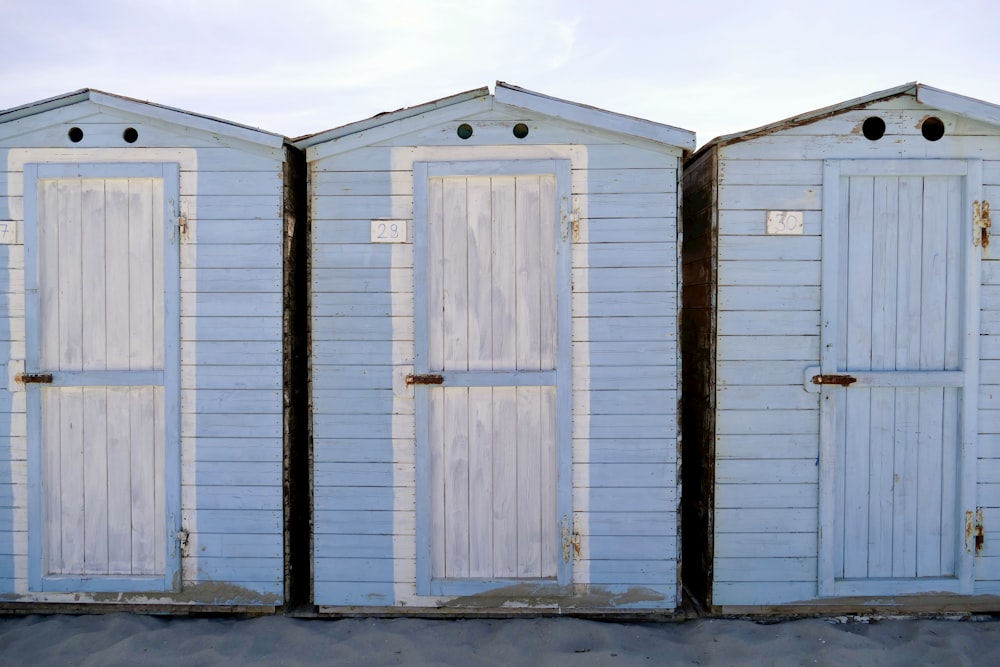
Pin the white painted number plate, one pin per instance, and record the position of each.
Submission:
(390, 231)
(784, 222)
(9, 232)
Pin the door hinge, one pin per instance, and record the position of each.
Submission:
(981, 223)
(184, 542)
(182, 227)
(975, 531)
(571, 540)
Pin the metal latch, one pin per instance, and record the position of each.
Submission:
(836, 379)
(981, 223)
(33, 378)
(426, 378)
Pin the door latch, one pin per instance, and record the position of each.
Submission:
(33, 378)
(835, 379)
(426, 378)
(981, 223)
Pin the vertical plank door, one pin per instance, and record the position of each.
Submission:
(491, 328)
(901, 332)
(102, 409)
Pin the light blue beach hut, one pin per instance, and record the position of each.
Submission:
(493, 358)
(842, 430)
(141, 416)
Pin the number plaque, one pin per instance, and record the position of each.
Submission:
(784, 222)
(390, 231)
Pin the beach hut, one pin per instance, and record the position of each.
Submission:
(142, 451)
(493, 357)
(841, 407)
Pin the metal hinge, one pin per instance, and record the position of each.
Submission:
(571, 540)
(184, 542)
(182, 226)
(981, 223)
(975, 532)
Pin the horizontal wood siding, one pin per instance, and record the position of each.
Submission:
(231, 353)
(624, 306)
(766, 442)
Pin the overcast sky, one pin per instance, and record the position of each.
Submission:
(301, 66)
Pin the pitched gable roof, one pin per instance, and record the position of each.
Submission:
(506, 95)
(935, 97)
(149, 109)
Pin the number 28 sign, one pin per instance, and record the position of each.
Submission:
(390, 231)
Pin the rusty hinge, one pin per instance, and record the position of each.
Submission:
(33, 378)
(184, 542)
(837, 379)
(182, 226)
(426, 378)
(571, 540)
(975, 532)
(981, 223)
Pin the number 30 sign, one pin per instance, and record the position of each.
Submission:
(390, 231)
(784, 222)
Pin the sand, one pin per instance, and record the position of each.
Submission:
(128, 639)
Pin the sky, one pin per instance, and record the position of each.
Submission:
(297, 67)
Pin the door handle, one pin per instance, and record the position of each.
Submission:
(426, 378)
(33, 378)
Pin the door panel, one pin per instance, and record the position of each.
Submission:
(492, 427)
(896, 435)
(106, 489)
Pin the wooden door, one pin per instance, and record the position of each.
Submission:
(102, 253)
(901, 319)
(490, 292)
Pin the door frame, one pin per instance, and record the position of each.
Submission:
(169, 377)
(422, 171)
(834, 235)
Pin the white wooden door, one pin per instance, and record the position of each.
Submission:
(493, 245)
(100, 254)
(901, 435)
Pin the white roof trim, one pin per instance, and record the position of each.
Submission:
(587, 115)
(381, 119)
(149, 109)
(958, 104)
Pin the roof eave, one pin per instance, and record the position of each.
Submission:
(810, 116)
(152, 110)
(593, 116)
(385, 118)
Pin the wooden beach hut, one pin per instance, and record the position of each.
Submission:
(141, 417)
(841, 398)
(493, 357)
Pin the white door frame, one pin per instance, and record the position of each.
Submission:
(834, 233)
(169, 377)
(422, 171)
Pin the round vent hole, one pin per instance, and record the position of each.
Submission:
(130, 135)
(75, 134)
(464, 131)
(932, 128)
(520, 130)
(873, 128)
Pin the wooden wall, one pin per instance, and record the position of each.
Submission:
(624, 359)
(766, 435)
(231, 278)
